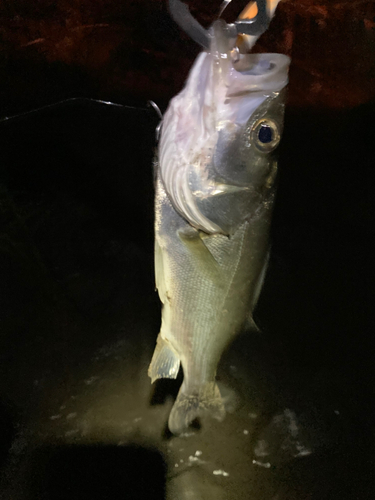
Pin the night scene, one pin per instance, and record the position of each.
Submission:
(185, 271)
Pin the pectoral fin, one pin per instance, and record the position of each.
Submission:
(165, 363)
(203, 258)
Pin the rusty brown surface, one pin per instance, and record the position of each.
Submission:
(131, 51)
(332, 46)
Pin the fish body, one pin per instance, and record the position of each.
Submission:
(215, 187)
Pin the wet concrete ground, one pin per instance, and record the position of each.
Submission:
(79, 318)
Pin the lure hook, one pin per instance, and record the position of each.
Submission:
(159, 113)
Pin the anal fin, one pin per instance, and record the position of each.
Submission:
(165, 363)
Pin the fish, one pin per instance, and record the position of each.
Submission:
(215, 183)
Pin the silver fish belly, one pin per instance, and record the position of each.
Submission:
(213, 206)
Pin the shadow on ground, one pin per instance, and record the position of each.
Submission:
(96, 472)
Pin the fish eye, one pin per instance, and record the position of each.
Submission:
(265, 135)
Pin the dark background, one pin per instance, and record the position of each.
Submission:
(76, 194)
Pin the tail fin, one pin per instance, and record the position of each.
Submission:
(189, 406)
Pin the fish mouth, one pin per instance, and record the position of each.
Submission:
(242, 73)
(261, 63)
(254, 64)
(258, 73)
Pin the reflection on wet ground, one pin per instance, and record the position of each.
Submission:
(78, 415)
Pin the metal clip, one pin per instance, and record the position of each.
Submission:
(253, 20)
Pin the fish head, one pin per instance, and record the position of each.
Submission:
(220, 133)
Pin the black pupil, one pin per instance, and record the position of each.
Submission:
(265, 134)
